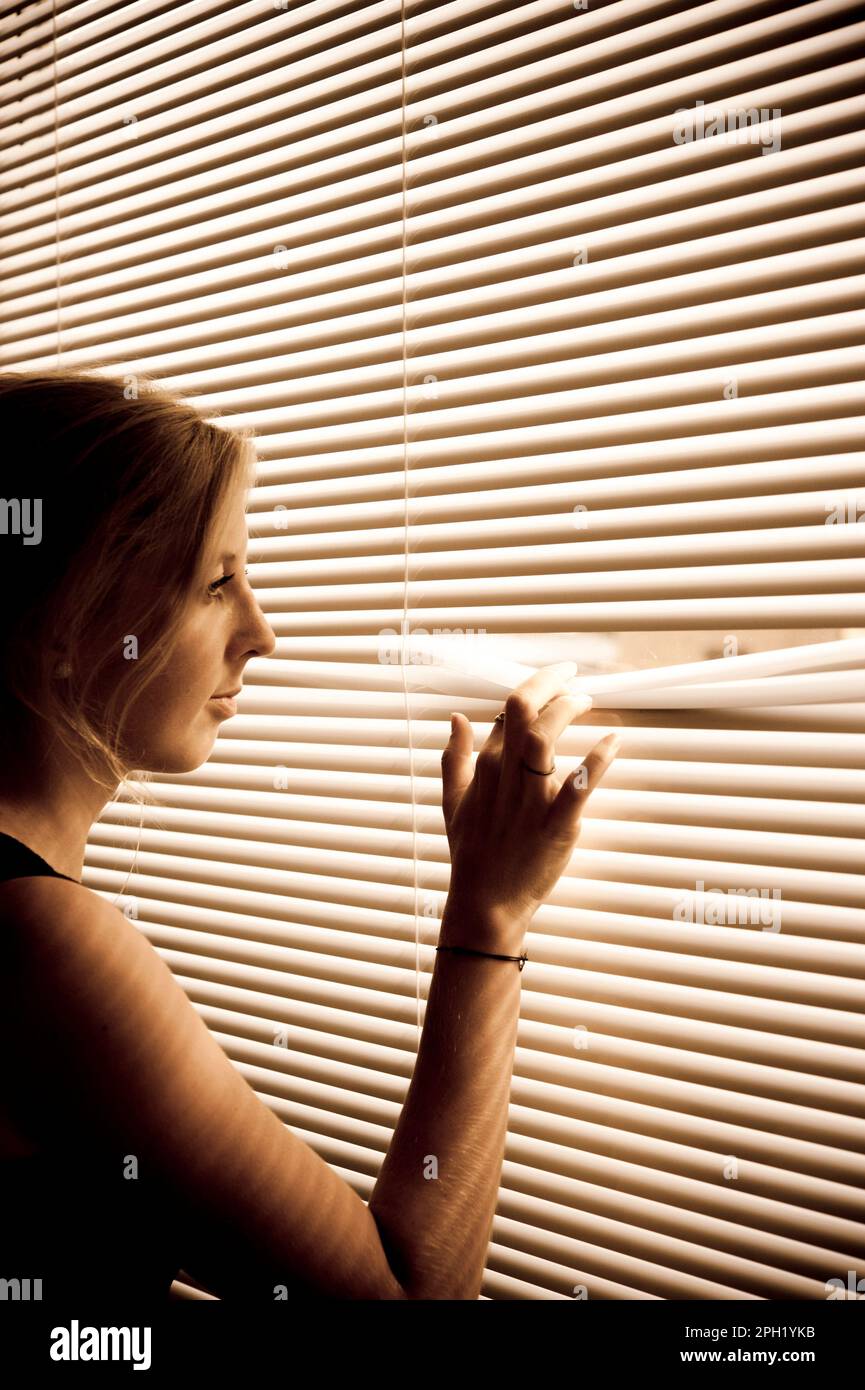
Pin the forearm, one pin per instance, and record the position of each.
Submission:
(435, 1196)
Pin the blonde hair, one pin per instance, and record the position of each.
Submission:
(129, 478)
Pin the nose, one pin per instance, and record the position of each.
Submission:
(257, 636)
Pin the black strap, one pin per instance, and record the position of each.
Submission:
(18, 860)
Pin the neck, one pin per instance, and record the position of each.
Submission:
(52, 806)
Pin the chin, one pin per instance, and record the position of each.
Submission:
(185, 758)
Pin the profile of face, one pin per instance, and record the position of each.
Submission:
(172, 727)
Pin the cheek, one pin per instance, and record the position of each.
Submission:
(180, 693)
(195, 666)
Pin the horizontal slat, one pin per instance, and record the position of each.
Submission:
(86, 32)
(318, 1082)
(313, 534)
(525, 1238)
(314, 1051)
(466, 671)
(161, 64)
(332, 1111)
(685, 740)
(611, 850)
(765, 980)
(755, 217)
(521, 1181)
(681, 614)
(621, 42)
(831, 780)
(672, 158)
(744, 412)
(605, 880)
(363, 1024)
(256, 814)
(564, 299)
(797, 440)
(459, 492)
(503, 175)
(797, 1154)
(598, 915)
(18, 31)
(532, 1167)
(836, 576)
(328, 776)
(481, 402)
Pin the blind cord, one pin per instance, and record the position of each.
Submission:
(56, 171)
(404, 623)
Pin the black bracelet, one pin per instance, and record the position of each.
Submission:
(467, 951)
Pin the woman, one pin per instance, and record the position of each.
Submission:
(131, 1147)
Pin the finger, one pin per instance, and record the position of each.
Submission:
(496, 733)
(522, 708)
(457, 769)
(555, 717)
(563, 819)
(524, 703)
(539, 742)
(542, 686)
(496, 740)
(596, 762)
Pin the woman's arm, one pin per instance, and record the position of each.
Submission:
(511, 834)
(436, 1192)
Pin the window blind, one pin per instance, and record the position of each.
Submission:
(550, 353)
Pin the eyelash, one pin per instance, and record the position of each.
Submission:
(214, 587)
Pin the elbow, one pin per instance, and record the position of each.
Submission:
(440, 1289)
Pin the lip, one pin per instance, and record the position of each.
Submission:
(226, 705)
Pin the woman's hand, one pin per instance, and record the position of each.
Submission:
(511, 832)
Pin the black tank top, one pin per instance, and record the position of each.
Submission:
(71, 1223)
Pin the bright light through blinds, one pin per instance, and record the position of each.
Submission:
(548, 322)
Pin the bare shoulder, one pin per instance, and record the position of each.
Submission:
(52, 924)
(96, 1020)
(79, 982)
(71, 959)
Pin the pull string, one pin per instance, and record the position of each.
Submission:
(59, 300)
(56, 174)
(405, 468)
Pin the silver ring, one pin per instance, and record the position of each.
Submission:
(535, 770)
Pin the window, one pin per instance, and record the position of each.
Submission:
(547, 318)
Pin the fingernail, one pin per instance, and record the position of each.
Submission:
(614, 744)
(584, 701)
(453, 723)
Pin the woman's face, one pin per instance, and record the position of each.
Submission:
(174, 724)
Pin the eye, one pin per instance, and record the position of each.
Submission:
(217, 584)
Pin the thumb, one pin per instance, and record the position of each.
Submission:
(456, 764)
